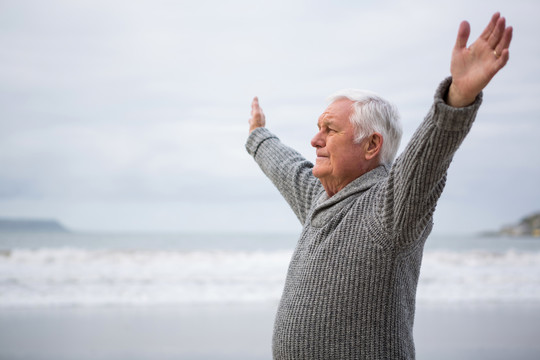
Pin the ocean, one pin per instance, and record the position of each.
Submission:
(75, 269)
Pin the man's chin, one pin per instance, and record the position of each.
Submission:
(318, 173)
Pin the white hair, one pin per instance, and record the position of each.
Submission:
(372, 113)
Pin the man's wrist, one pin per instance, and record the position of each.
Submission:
(253, 127)
(455, 99)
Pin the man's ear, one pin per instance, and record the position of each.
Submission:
(373, 146)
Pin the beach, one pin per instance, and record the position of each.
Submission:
(214, 296)
(189, 332)
(480, 331)
(235, 331)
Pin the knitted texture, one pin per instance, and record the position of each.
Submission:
(351, 284)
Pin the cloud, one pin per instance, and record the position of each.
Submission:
(138, 102)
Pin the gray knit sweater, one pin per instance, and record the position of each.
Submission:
(351, 284)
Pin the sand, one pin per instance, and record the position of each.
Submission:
(488, 331)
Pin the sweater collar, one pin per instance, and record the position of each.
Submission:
(359, 184)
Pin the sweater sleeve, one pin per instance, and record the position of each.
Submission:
(287, 169)
(418, 176)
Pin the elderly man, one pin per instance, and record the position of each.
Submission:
(351, 285)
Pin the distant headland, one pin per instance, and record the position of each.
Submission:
(528, 226)
(31, 225)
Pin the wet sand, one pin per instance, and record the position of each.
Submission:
(496, 331)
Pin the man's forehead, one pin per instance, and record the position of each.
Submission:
(326, 119)
(338, 111)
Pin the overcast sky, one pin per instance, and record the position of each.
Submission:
(132, 115)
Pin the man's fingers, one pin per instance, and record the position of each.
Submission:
(504, 58)
(257, 116)
(497, 33)
(463, 35)
(256, 111)
(489, 29)
(255, 103)
(505, 41)
(255, 107)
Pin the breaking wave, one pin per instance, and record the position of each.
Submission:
(82, 277)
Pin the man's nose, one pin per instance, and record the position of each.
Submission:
(318, 140)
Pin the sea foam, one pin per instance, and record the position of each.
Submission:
(81, 277)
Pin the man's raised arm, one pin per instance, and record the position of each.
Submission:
(285, 167)
(419, 174)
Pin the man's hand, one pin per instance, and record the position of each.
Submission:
(473, 68)
(257, 116)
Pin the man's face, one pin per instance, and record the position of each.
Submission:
(339, 159)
